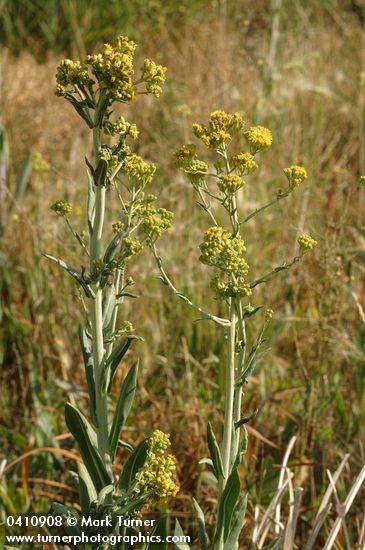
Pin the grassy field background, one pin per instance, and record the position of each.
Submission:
(292, 66)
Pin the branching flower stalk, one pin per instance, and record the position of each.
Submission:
(93, 89)
(223, 250)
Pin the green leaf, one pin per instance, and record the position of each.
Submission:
(112, 247)
(23, 179)
(73, 272)
(81, 108)
(90, 197)
(88, 493)
(109, 302)
(112, 363)
(89, 371)
(86, 440)
(249, 312)
(133, 464)
(159, 530)
(180, 533)
(124, 405)
(245, 419)
(203, 537)
(227, 505)
(214, 452)
(65, 512)
(237, 523)
(243, 450)
(101, 172)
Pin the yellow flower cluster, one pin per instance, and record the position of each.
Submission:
(220, 249)
(157, 476)
(118, 227)
(138, 169)
(362, 181)
(296, 175)
(113, 69)
(156, 223)
(306, 242)
(197, 171)
(185, 155)
(217, 132)
(123, 128)
(159, 442)
(70, 73)
(39, 164)
(259, 138)
(62, 208)
(230, 184)
(244, 162)
(237, 288)
(131, 246)
(154, 76)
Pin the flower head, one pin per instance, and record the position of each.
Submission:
(154, 76)
(62, 208)
(131, 246)
(185, 155)
(220, 249)
(113, 69)
(219, 128)
(296, 175)
(244, 162)
(71, 73)
(259, 137)
(230, 184)
(306, 242)
(157, 475)
(138, 169)
(156, 223)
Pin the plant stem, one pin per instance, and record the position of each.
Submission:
(228, 406)
(96, 319)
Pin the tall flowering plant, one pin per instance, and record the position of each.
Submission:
(223, 250)
(114, 170)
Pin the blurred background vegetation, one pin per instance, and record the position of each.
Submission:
(292, 65)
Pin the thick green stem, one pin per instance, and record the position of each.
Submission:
(228, 407)
(240, 369)
(96, 319)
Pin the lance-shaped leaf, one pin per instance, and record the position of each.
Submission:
(236, 526)
(180, 534)
(112, 247)
(124, 405)
(202, 532)
(109, 302)
(101, 172)
(66, 513)
(88, 493)
(160, 530)
(245, 419)
(86, 441)
(81, 107)
(89, 371)
(133, 464)
(112, 363)
(90, 196)
(23, 179)
(73, 272)
(243, 448)
(227, 503)
(215, 453)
